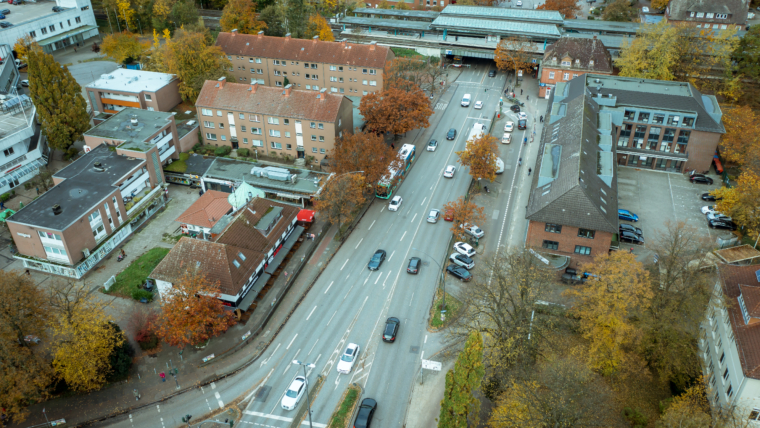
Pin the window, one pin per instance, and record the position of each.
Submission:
(333, 68)
(52, 27)
(754, 415)
(550, 245)
(641, 132)
(277, 146)
(288, 146)
(313, 138)
(725, 374)
(683, 137)
(591, 63)
(256, 131)
(94, 216)
(210, 136)
(553, 228)
(55, 252)
(643, 117)
(278, 73)
(274, 133)
(586, 233)
(254, 118)
(313, 149)
(722, 357)
(224, 138)
(321, 138)
(565, 63)
(730, 391)
(273, 121)
(219, 113)
(287, 134)
(373, 83)
(566, 76)
(314, 66)
(653, 138)
(579, 249)
(665, 147)
(78, 20)
(259, 71)
(242, 129)
(658, 119)
(688, 121)
(322, 151)
(43, 30)
(333, 79)
(286, 121)
(258, 60)
(48, 235)
(277, 83)
(221, 125)
(245, 141)
(321, 126)
(207, 124)
(629, 115)
(364, 71)
(99, 231)
(364, 82)
(551, 75)
(257, 143)
(8, 151)
(313, 125)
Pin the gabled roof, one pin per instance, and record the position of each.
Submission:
(584, 50)
(207, 210)
(742, 280)
(243, 232)
(287, 48)
(680, 10)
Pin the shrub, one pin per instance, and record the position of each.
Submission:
(197, 147)
(244, 153)
(146, 339)
(70, 153)
(222, 151)
(5, 196)
(636, 418)
(142, 294)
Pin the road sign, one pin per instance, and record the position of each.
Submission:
(431, 365)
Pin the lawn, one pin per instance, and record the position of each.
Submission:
(178, 165)
(130, 279)
(343, 412)
(452, 310)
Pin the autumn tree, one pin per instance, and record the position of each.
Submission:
(58, 99)
(459, 405)
(160, 18)
(126, 14)
(618, 287)
(297, 17)
(396, 110)
(366, 152)
(659, 4)
(513, 54)
(191, 312)
(43, 179)
(480, 155)
(618, 11)
(690, 409)
(741, 142)
(384, 5)
(276, 19)
(340, 197)
(747, 54)
(740, 202)
(241, 15)
(465, 212)
(318, 26)
(185, 15)
(124, 45)
(568, 8)
(22, 47)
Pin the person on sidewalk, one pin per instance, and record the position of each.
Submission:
(542, 119)
(528, 97)
(137, 395)
(162, 375)
(520, 91)
(529, 170)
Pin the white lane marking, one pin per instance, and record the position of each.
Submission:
(315, 344)
(506, 208)
(344, 264)
(252, 393)
(270, 356)
(415, 216)
(423, 202)
(402, 236)
(411, 300)
(219, 400)
(288, 366)
(425, 339)
(328, 322)
(672, 199)
(312, 311)
(378, 279)
(389, 258)
(328, 287)
(357, 245)
(386, 278)
(291, 341)
(422, 355)
(347, 276)
(365, 281)
(349, 292)
(382, 209)
(370, 226)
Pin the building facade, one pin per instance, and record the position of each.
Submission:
(72, 24)
(569, 58)
(272, 120)
(713, 15)
(308, 65)
(125, 88)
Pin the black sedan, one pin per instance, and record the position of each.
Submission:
(631, 238)
(414, 265)
(366, 411)
(459, 272)
(376, 260)
(630, 228)
(710, 198)
(515, 108)
(392, 325)
(700, 178)
(451, 134)
(492, 73)
(522, 124)
(721, 224)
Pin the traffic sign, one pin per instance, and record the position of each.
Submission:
(431, 365)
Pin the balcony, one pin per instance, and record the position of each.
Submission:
(135, 185)
(166, 153)
(163, 141)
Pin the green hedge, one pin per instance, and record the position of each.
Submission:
(243, 153)
(223, 151)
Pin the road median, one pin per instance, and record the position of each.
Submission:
(341, 417)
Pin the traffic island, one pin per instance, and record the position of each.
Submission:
(438, 319)
(341, 417)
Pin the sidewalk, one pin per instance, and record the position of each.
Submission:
(118, 398)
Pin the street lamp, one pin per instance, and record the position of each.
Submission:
(311, 366)
(443, 280)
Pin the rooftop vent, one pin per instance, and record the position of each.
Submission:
(57, 209)
(134, 120)
(97, 166)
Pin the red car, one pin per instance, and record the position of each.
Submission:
(449, 216)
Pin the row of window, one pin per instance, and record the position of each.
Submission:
(565, 76)
(257, 118)
(272, 133)
(282, 62)
(652, 139)
(659, 118)
(44, 30)
(557, 228)
(569, 63)
(708, 15)
(579, 249)
(260, 143)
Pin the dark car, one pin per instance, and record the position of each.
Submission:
(571, 279)
(366, 411)
(391, 329)
(2, 16)
(631, 238)
(17, 2)
(515, 108)
(699, 178)
(376, 260)
(5, 11)
(451, 134)
(492, 73)
(522, 124)
(630, 228)
(710, 198)
(414, 265)
(721, 224)
(459, 272)
(57, 9)
(5, 24)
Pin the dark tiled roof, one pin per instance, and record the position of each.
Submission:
(584, 50)
(270, 101)
(680, 10)
(747, 335)
(242, 233)
(207, 210)
(253, 45)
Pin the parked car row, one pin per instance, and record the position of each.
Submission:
(716, 220)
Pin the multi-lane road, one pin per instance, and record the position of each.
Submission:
(349, 303)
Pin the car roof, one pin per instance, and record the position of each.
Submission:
(463, 244)
(351, 346)
(450, 167)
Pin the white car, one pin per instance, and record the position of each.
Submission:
(433, 216)
(518, 4)
(462, 260)
(522, 116)
(432, 145)
(449, 172)
(465, 249)
(507, 138)
(294, 393)
(466, 100)
(348, 358)
(708, 209)
(478, 105)
(473, 230)
(25, 83)
(718, 216)
(395, 203)
(509, 127)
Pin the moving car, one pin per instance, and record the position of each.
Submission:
(721, 224)
(294, 393)
(709, 198)
(392, 325)
(631, 238)
(466, 100)
(718, 216)
(707, 209)
(627, 215)
(449, 172)
(365, 413)
(395, 203)
(414, 265)
(478, 105)
(515, 108)
(507, 138)
(509, 126)
(462, 260)
(492, 73)
(522, 124)
(449, 216)
(459, 272)
(349, 357)
(700, 178)
(376, 260)
(433, 216)
(465, 249)
(432, 145)
(473, 230)
(451, 134)
(522, 115)
(629, 228)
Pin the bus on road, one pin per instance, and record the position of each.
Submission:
(396, 171)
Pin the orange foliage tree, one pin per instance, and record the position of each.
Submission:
(340, 197)
(513, 54)
(318, 26)
(480, 155)
(741, 202)
(191, 312)
(568, 8)
(366, 152)
(241, 15)
(465, 212)
(741, 142)
(396, 110)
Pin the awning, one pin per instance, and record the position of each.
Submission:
(247, 301)
(67, 34)
(284, 250)
(305, 215)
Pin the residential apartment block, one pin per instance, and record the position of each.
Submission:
(272, 120)
(714, 15)
(571, 57)
(310, 65)
(71, 25)
(125, 88)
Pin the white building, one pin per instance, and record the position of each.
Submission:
(730, 342)
(74, 23)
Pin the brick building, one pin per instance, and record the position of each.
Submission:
(125, 88)
(311, 65)
(272, 120)
(568, 58)
(709, 14)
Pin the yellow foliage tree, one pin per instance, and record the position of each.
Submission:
(690, 409)
(318, 26)
(162, 9)
(740, 202)
(401, 5)
(480, 155)
(241, 15)
(23, 46)
(126, 13)
(741, 142)
(121, 46)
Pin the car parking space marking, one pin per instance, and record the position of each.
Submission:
(333, 315)
(423, 202)
(312, 347)
(291, 341)
(357, 245)
(415, 216)
(344, 264)
(672, 198)
(328, 287)
(402, 237)
(312, 311)
(370, 226)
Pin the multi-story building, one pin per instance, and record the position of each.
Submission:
(72, 22)
(568, 58)
(311, 65)
(124, 88)
(572, 208)
(24, 149)
(715, 15)
(272, 120)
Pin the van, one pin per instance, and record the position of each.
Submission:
(499, 166)
(466, 100)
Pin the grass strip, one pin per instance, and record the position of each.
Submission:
(340, 417)
(453, 306)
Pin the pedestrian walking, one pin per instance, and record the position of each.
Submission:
(123, 254)
(520, 91)
(542, 119)
(631, 250)
(137, 394)
(2, 205)
(529, 170)
(200, 192)
(38, 191)
(528, 97)
(162, 375)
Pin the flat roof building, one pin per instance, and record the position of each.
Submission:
(124, 88)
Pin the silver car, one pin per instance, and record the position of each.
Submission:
(462, 260)
(433, 216)
(473, 230)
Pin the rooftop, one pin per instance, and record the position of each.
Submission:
(28, 11)
(476, 25)
(17, 117)
(301, 181)
(120, 127)
(735, 9)
(206, 210)
(516, 14)
(126, 80)
(742, 280)
(83, 189)
(429, 14)
(739, 254)
(582, 50)
(387, 23)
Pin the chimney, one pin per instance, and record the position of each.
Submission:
(57, 209)
(323, 94)
(221, 82)
(315, 39)
(287, 36)
(372, 45)
(287, 90)
(252, 88)
(234, 31)
(594, 37)
(260, 34)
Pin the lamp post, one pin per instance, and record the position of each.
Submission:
(443, 280)
(308, 403)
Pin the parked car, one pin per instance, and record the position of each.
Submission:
(5, 24)
(515, 108)
(627, 215)
(518, 4)
(57, 9)
(629, 228)
(507, 138)
(376, 260)
(5, 11)
(349, 357)
(492, 73)
(478, 105)
(17, 2)
(432, 145)
(395, 203)
(433, 216)
(721, 224)
(294, 393)
(462, 260)
(522, 124)
(707, 209)
(572, 279)
(449, 215)
(466, 249)
(718, 216)
(451, 134)
(365, 413)
(414, 265)
(449, 171)
(509, 126)
(710, 198)
(631, 238)
(459, 272)
(473, 230)
(2, 16)
(700, 178)
(392, 325)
